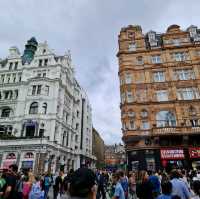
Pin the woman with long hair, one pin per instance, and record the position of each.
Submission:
(144, 188)
(28, 181)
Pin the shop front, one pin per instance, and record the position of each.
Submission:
(172, 158)
(27, 161)
(9, 160)
(194, 153)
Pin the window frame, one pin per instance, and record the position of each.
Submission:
(157, 77)
(34, 107)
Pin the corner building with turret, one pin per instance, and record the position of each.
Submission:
(160, 97)
(45, 115)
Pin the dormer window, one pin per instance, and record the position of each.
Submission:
(132, 47)
(176, 42)
(152, 36)
(193, 31)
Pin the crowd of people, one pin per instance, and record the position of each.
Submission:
(100, 184)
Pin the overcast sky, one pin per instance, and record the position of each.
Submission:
(90, 28)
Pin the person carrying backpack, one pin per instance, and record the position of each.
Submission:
(47, 184)
(36, 191)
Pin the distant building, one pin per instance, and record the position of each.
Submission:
(115, 155)
(98, 148)
(45, 116)
(160, 97)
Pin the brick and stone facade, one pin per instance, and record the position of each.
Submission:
(160, 96)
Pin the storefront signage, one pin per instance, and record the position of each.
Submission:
(27, 164)
(171, 154)
(194, 152)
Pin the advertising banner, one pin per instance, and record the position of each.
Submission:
(172, 154)
(194, 152)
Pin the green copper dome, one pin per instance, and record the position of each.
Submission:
(29, 51)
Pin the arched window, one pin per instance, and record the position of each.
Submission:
(11, 156)
(165, 118)
(144, 114)
(6, 112)
(192, 111)
(131, 113)
(44, 108)
(29, 155)
(193, 116)
(33, 108)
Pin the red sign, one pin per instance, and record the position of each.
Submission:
(194, 152)
(172, 154)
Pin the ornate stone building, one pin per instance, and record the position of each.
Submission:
(45, 116)
(160, 96)
(115, 156)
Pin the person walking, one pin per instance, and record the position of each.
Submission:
(196, 189)
(47, 184)
(132, 186)
(154, 180)
(144, 188)
(82, 185)
(11, 180)
(101, 185)
(179, 187)
(119, 192)
(166, 191)
(124, 183)
(58, 186)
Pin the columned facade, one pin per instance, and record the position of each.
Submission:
(43, 119)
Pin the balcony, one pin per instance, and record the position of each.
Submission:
(135, 134)
(7, 119)
(186, 130)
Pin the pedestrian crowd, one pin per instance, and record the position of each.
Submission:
(85, 183)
